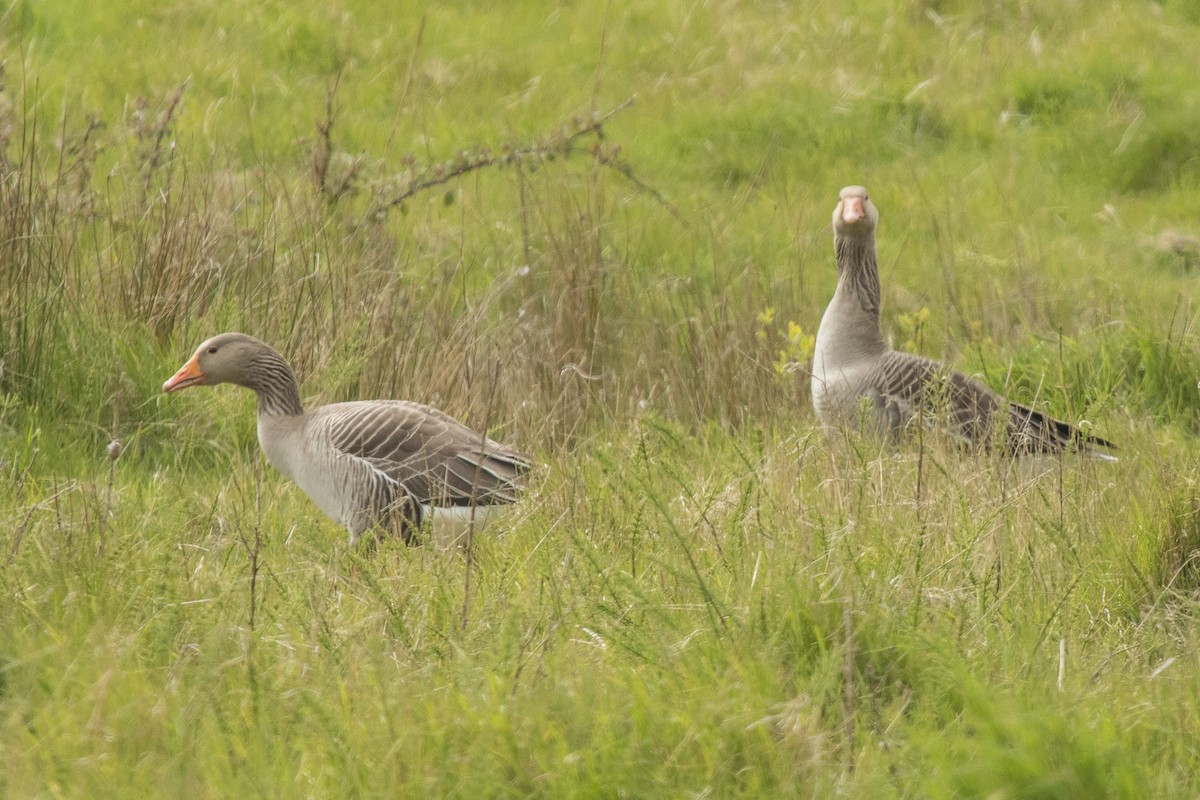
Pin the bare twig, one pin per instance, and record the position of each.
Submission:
(41, 504)
(627, 172)
(114, 452)
(161, 129)
(848, 683)
(324, 147)
(600, 55)
(563, 144)
(408, 78)
(254, 546)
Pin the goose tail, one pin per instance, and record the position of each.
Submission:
(1035, 432)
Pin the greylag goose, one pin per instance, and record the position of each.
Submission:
(388, 464)
(857, 378)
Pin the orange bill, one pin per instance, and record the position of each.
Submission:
(189, 375)
(852, 209)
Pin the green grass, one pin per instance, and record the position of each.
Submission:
(704, 595)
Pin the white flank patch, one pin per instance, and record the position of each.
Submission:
(451, 525)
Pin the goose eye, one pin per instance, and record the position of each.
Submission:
(212, 350)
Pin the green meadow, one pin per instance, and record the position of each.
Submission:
(600, 231)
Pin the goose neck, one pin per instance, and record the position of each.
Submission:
(858, 272)
(272, 379)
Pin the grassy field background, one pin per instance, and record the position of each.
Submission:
(704, 595)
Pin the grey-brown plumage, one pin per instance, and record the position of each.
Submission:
(386, 464)
(858, 380)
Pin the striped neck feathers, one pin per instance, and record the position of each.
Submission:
(858, 272)
(272, 379)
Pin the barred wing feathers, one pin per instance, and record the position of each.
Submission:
(435, 458)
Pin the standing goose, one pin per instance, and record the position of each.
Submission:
(856, 376)
(376, 463)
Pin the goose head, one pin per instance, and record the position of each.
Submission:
(227, 358)
(855, 214)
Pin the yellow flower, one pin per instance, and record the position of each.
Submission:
(801, 345)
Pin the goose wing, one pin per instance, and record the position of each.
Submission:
(907, 386)
(904, 387)
(435, 458)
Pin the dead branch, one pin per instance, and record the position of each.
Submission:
(561, 144)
